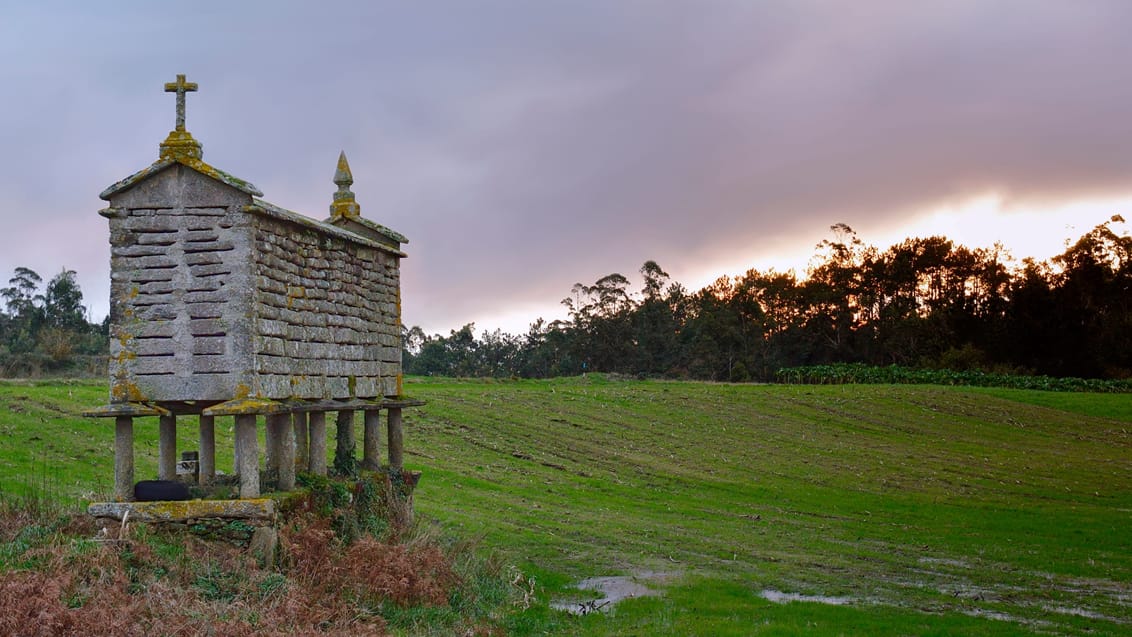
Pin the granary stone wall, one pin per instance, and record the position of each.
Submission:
(179, 260)
(327, 320)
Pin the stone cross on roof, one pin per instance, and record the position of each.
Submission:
(180, 87)
(180, 142)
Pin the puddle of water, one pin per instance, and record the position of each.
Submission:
(614, 589)
(944, 562)
(990, 614)
(778, 597)
(1079, 612)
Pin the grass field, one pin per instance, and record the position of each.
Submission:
(923, 510)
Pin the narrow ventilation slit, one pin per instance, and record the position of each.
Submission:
(189, 249)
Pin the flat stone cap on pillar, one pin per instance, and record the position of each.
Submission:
(246, 407)
(125, 409)
(398, 403)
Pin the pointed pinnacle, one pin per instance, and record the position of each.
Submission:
(343, 176)
(344, 204)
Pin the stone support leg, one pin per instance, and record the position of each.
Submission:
(371, 440)
(207, 459)
(249, 456)
(317, 464)
(396, 450)
(302, 441)
(167, 448)
(344, 460)
(124, 458)
(235, 453)
(273, 439)
(285, 449)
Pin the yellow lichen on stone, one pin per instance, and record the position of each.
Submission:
(124, 391)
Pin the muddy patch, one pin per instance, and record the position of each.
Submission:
(613, 589)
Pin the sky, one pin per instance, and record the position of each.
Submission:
(523, 146)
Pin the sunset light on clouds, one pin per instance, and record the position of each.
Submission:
(525, 147)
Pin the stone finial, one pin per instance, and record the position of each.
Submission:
(344, 204)
(180, 142)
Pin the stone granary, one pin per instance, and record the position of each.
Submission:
(223, 304)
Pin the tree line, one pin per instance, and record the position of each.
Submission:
(44, 328)
(924, 302)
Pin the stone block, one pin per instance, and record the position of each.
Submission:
(391, 386)
(152, 366)
(160, 312)
(133, 251)
(210, 364)
(201, 236)
(264, 545)
(204, 258)
(218, 296)
(147, 275)
(205, 310)
(267, 327)
(156, 238)
(337, 387)
(182, 511)
(205, 284)
(215, 269)
(274, 364)
(271, 346)
(148, 329)
(156, 287)
(153, 347)
(274, 386)
(208, 327)
(208, 345)
(367, 387)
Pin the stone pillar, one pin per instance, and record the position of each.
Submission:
(167, 448)
(285, 449)
(396, 451)
(318, 443)
(302, 441)
(124, 458)
(249, 456)
(273, 438)
(207, 457)
(235, 453)
(344, 461)
(371, 440)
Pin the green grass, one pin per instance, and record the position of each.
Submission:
(936, 510)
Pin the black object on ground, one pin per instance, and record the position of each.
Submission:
(155, 490)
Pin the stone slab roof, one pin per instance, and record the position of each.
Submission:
(191, 162)
(271, 210)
